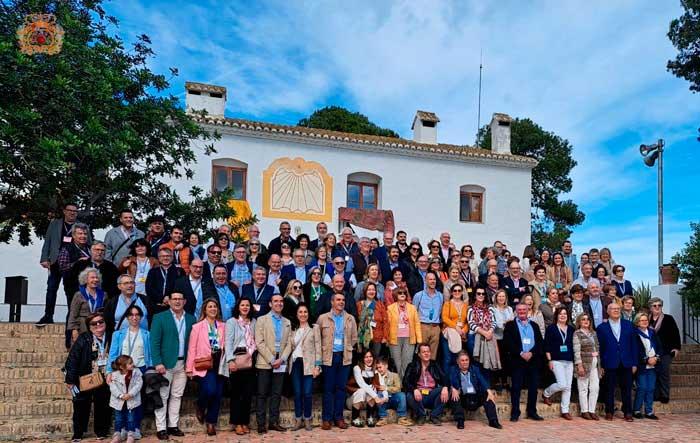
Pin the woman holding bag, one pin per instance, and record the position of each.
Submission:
(204, 354)
(85, 375)
(240, 351)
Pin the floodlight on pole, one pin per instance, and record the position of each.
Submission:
(650, 154)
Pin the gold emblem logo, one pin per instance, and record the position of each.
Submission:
(40, 34)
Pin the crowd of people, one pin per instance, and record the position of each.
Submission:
(373, 326)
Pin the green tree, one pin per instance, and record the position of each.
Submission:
(335, 118)
(91, 124)
(552, 218)
(684, 33)
(688, 261)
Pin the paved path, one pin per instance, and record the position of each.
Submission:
(670, 428)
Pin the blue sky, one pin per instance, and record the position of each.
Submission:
(592, 72)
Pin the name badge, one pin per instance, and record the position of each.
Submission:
(101, 362)
(527, 341)
(141, 279)
(347, 258)
(425, 391)
(67, 239)
(403, 326)
(558, 285)
(469, 290)
(281, 369)
(338, 341)
(373, 324)
(256, 307)
(563, 348)
(594, 354)
(470, 390)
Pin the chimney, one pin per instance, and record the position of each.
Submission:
(205, 97)
(500, 133)
(425, 127)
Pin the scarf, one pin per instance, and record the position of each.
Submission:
(249, 335)
(364, 332)
(482, 315)
(99, 300)
(648, 337)
(657, 324)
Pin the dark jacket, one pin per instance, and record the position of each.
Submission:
(360, 265)
(288, 273)
(513, 292)
(614, 353)
(586, 310)
(668, 334)
(54, 239)
(80, 358)
(413, 371)
(475, 376)
(157, 289)
(263, 299)
(553, 342)
(320, 306)
(183, 286)
(275, 246)
(513, 344)
(655, 343)
(111, 308)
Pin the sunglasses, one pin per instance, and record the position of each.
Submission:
(656, 305)
(480, 293)
(97, 322)
(315, 273)
(457, 290)
(464, 261)
(296, 287)
(415, 249)
(338, 262)
(215, 253)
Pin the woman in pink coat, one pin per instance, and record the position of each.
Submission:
(203, 359)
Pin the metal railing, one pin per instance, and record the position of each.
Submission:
(691, 325)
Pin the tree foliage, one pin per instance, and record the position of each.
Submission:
(336, 118)
(92, 125)
(684, 33)
(552, 217)
(688, 261)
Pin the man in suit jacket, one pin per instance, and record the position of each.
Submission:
(470, 390)
(160, 281)
(58, 235)
(524, 346)
(213, 259)
(170, 333)
(618, 358)
(108, 271)
(194, 287)
(275, 246)
(258, 292)
(446, 251)
(515, 285)
(296, 270)
(273, 338)
(362, 259)
(383, 255)
(321, 230)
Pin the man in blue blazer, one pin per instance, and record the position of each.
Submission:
(296, 270)
(259, 292)
(470, 390)
(618, 359)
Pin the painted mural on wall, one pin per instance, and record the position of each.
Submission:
(297, 189)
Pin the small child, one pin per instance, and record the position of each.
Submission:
(125, 399)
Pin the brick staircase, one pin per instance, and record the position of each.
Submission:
(34, 402)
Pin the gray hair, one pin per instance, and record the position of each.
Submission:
(122, 277)
(82, 278)
(363, 239)
(655, 300)
(97, 243)
(81, 226)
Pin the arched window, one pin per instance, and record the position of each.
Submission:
(471, 203)
(363, 190)
(229, 173)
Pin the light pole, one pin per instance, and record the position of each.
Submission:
(650, 154)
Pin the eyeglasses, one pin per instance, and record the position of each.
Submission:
(480, 293)
(196, 266)
(134, 314)
(464, 261)
(315, 273)
(215, 253)
(656, 305)
(338, 262)
(415, 249)
(254, 244)
(296, 287)
(176, 299)
(434, 246)
(457, 290)
(97, 322)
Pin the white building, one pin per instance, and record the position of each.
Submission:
(305, 175)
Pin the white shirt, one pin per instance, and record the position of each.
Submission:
(133, 346)
(180, 326)
(298, 335)
(615, 326)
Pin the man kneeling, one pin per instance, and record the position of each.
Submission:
(390, 389)
(470, 390)
(426, 386)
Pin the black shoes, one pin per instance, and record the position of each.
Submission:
(175, 432)
(651, 416)
(420, 421)
(460, 424)
(162, 435)
(495, 425)
(535, 417)
(514, 419)
(44, 321)
(436, 421)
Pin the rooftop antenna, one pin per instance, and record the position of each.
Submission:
(478, 113)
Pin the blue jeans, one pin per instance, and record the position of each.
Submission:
(448, 358)
(646, 384)
(335, 377)
(396, 401)
(302, 390)
(211, 388)
(431, 401)
(127, 419)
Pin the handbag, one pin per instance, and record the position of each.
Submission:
(91, 381)
(203, 363)
(243, 360)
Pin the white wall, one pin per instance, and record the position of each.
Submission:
(423, 194)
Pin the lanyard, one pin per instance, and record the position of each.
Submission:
(93, 303)
(317, 292)
(132, 342)
(563, 335)
(621, 287)
(180, 324)
(69, 230)
(196, 289)
(165, 279)
(258, 292)
(82, 251)
(142, 269)
(101, 346)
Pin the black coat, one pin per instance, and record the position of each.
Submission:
(513, 292)
(183, 286)
(108, 271)
(80, 358)
(668, 334)
(275, 246)
(110, 309)
(513, 344)
(360, 265)
(413, 371)
(157, 290)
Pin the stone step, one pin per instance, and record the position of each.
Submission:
(15, 329)
(44, 374)
(60, 427)
(32, 359)
(685, 368)
(10, 344)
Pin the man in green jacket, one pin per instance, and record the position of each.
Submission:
(170, 333)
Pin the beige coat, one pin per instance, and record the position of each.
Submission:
(265, 341)
(310, 349)
(327, 327)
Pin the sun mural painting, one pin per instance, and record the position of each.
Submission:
(297, 190)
